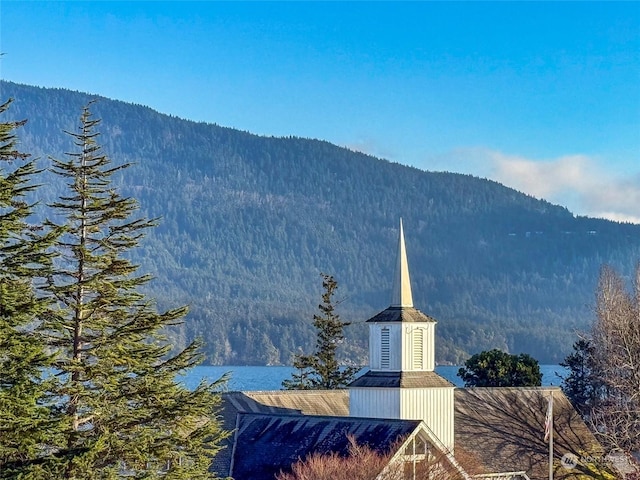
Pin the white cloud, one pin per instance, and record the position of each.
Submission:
(575, 181)
(543, 178)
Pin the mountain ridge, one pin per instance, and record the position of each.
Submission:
(249, 222)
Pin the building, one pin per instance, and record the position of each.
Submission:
(400, 403)
(401, 382)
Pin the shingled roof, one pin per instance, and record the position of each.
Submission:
(288, 402)
(502, 429)
(308, 402)
(401, 314)
(266, 444)
(388, 379)
(496, 429)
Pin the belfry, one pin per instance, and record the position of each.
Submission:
(401, 382)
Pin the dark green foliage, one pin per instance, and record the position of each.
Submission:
(496, 368)
(321, 370)
(581, 385)
(25, 423)
(118, 402)
(248, 222)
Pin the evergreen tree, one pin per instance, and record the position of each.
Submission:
(581, 385)
(496, 368)
(25, 423)
(121, 410)
(322, 369)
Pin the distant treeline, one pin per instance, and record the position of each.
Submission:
(247, 223)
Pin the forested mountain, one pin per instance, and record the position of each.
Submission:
(249, 222)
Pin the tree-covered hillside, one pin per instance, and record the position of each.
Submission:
(249, 222)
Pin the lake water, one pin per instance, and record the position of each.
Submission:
(270, 378)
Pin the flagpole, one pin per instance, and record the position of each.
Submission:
(551, 436)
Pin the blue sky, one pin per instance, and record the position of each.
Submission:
(543, 97)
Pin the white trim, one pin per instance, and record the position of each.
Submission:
(435, 441)
(504, 475)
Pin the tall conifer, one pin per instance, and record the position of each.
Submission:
(25, 423)
(322, 370)
(122, 411)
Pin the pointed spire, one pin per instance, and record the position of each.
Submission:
(401, 283)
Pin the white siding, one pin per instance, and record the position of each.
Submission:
(418, 357)
(375, 346)
(374, 402)
(434, 406)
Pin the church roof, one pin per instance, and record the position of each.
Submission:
(401, 314)
(388, 379)
(288, 402)
(265, 445)
(308, 402)
(496, 429)
(502, 429)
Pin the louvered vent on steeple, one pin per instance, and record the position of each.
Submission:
(418, 348)
(384, 348)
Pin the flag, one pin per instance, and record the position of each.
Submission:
(548, 421)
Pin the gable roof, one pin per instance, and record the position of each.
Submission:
(289, 402)
(502, 429)
(496, 429)
(266, 444)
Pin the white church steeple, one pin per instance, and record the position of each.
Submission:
(401, 382)
(402, 296)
